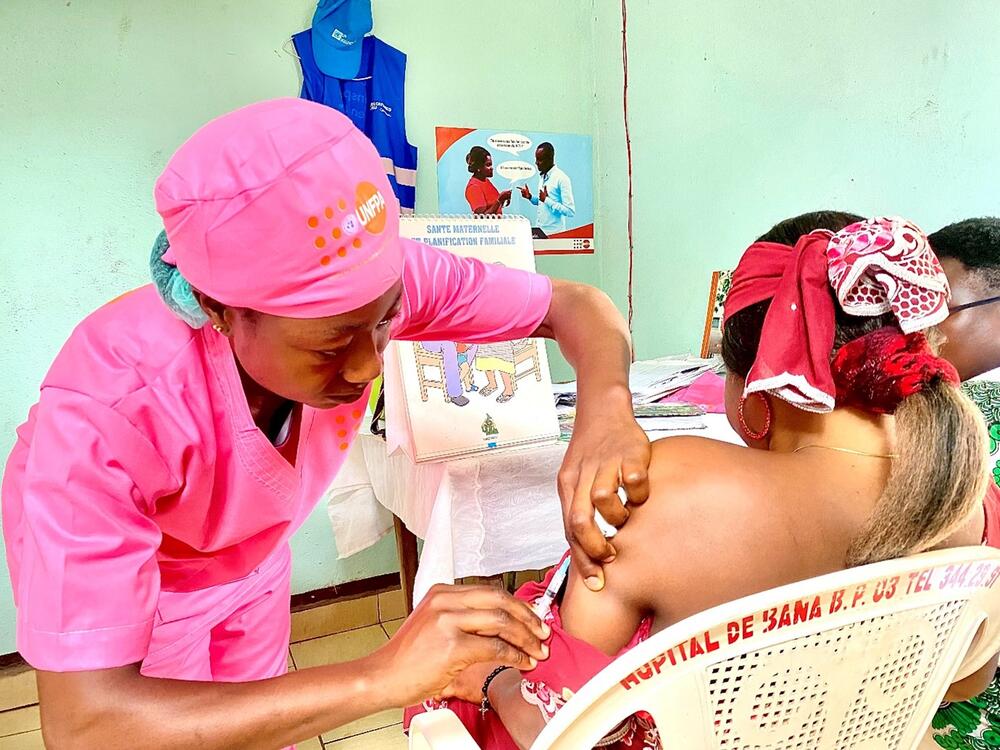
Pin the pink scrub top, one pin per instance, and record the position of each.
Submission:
(141, 470)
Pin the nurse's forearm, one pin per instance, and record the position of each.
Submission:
(608, 450)
(119, 708)
(594, 338)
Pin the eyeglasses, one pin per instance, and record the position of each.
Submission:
(970, 305)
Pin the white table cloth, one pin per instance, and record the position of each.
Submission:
(478, 516)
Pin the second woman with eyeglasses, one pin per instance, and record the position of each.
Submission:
(970, 255)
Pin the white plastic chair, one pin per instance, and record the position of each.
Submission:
(859, 659)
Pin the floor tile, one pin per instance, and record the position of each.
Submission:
(390, 738)
(392, 626)
(25, 741)
(313, 744)
(291, 662)
(20, 720)
(344, 647)
(392, 717)
(334, 618)
(332, 649)
(391, 605)
(17, 688)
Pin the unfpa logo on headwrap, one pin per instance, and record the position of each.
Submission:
(370, 207)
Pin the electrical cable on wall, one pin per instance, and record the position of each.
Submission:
(628, 154)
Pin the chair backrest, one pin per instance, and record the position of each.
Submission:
(857, 659)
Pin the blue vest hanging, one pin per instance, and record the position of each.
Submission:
(374, 101)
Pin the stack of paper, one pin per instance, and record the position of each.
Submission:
(564, 395)
(657, 420)
(651, 379)
(669, 417)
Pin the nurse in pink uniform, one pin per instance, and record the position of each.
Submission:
(149, 500)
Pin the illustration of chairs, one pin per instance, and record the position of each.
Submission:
(425, 359)
(526, 350)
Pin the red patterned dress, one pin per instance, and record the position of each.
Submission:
(571, 663)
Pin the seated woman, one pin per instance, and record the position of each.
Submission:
(861, 448)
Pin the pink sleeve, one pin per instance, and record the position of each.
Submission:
(449, 298)
(87, 581)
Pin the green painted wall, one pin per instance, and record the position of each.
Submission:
(96, 95)
(745, 113)
(741, 114)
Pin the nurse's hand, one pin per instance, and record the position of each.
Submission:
(453, 628)
(608, 450)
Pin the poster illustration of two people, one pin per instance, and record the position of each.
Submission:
(553, 191)
(553, 195)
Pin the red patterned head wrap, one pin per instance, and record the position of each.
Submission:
(870, 268)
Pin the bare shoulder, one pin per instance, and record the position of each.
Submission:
(709, 533)
(689, 450)
(697, 472)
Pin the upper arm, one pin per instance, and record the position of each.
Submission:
(80, 537)
(699, 541)
(450, 298)
(975, 684)
(654, 558)
(475, 197)
(605, 619)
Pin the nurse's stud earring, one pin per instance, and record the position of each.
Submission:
(217, 327)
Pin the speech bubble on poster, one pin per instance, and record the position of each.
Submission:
(516, 170)
(512, 143)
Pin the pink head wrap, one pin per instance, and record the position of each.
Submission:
(870, 268)
(282, 207)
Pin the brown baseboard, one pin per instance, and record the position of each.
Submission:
(306, 600)
(12, 663)
(345, 591)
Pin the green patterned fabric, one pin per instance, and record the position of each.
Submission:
(975, 724)
(986, 394)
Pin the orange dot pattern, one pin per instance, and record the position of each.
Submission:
(335, 233)
(356, 415)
